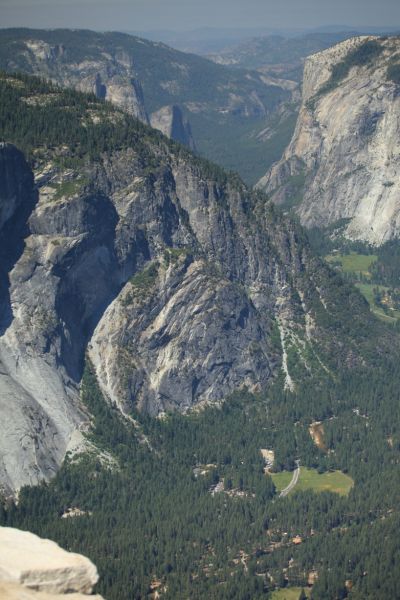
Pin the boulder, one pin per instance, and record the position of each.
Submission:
(42, 565)
(15, 591)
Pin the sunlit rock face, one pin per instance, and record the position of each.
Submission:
(34, 568)
(344, 159)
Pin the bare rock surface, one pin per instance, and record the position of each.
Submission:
(14, 591)
(42, 565)
(39, 402)
(109, 76)
(344, 161)
(170, 121)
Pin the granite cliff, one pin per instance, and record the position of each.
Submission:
(109, 75)
(177, 282)
(170, 121)
(343, 162)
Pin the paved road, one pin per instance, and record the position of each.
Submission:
(295, 478)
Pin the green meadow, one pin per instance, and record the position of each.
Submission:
(332, 481)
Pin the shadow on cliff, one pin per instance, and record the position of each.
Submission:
(12, 243)
(91, 276)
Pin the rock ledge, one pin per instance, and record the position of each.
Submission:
(41, 565)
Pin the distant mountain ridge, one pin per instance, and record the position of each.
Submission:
(279, 56)
(144, 77)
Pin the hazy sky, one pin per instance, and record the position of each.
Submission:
(190, 14)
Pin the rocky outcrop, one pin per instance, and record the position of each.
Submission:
(31, 567)
(116, 87)
(343, 162)
(110, 76)
(170, 121)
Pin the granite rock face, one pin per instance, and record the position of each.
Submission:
(170, 121)
(39, 402)
(109, 76)
(29, 564)
(343, 161)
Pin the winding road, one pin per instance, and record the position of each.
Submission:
(295, 478)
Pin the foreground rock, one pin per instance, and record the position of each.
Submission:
(14, 591)
(42, 565)
(343, 162)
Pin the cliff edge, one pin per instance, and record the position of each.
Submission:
(343, 161)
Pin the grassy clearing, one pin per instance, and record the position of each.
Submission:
(359, 264)
(335, 481)
(353, 262)
(288, 594)
(282, 479)
(367, 290)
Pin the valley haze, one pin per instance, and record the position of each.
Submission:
(180, 15)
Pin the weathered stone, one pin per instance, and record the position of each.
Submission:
(14, 591)
(42, 565)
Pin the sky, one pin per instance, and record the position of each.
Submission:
(181, 15)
